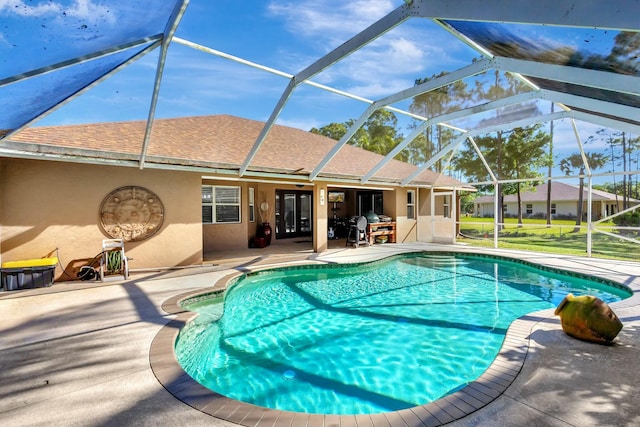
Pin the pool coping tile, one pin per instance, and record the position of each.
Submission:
(363, 420)
(379, 420)
(477, 394)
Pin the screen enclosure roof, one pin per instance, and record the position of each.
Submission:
(578, 63)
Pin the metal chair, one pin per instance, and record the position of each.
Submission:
(357, 231)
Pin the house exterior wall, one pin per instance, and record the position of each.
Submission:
(321, 218)
(3, 179)
(222, 237)
(564, 209)
(48, 205)
(423, 208)
(218, 238)
(484, 210)
(539, 209)
(406, 229)
(444, 220)
(231, 236)
(436, 228)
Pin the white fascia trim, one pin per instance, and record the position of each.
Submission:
(79, 60)
(361, 39)
(284, 98)
(574, 75)
(169, 31)
(262, 181)
(345, 138)
(605, 122)
(494, 128)
(492, 105)
(460, 74)
(618, 14)
(71, 97)
(594, 105)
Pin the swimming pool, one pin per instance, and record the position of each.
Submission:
(365, 338)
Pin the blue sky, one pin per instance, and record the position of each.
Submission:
(285, 35)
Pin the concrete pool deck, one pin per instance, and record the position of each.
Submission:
(78, 353)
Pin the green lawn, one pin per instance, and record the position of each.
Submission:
(535, 235)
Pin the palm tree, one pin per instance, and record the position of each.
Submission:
(574, 161)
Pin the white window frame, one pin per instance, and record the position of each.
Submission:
(529, 208)
(445, 207)
(411, 204)
(212, 203)
(252, 205)
(553, 208)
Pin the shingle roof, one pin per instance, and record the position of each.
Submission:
(219, 141)
(560, 192)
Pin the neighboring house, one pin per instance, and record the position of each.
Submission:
(57, 190)
(564, 203)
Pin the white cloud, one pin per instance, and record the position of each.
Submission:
(377, 90)
(370, 10)
(20, 8)
(393, 56)
(389, 63)
(85, 10)
(88, 11)
(329, 19)
(378, 70)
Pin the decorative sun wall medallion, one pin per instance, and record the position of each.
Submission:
(131, 213)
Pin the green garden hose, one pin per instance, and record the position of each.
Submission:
(114, 261)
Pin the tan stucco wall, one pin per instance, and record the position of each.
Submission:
(2, 192)
(423, 225)
(48, 205)
(406, 229)
(219, 238)
(436, 228)
(320, 218)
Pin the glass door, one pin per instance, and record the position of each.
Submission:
(290, 217)
(369, 201)
(293, 213)
(305, 213)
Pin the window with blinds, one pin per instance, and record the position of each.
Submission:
(220, 204)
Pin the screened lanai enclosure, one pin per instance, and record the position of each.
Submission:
(511, 97)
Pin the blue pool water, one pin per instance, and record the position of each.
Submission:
(365, 338)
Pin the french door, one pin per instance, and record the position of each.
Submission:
(293, 213)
